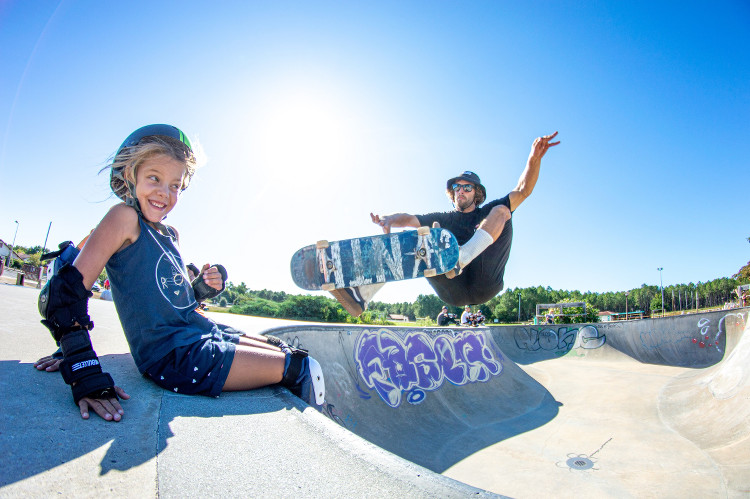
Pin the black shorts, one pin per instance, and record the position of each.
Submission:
(198, 369)
(482, 279)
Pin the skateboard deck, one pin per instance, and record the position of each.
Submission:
(368, 260)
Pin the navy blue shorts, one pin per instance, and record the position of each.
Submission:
(198, 369)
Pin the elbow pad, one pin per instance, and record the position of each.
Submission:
(64, 301)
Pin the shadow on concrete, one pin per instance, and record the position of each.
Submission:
(432, 396)
(54, 427)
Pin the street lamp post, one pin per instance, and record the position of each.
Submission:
(44, 248)
(661, 283)
(519, 308)
(7, 261)
(626, 304)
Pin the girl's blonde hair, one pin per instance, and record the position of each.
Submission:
(124, 166)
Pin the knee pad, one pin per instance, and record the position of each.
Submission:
(318, 382)
(295, 369)
(304, 377)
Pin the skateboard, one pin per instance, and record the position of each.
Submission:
(397, 256)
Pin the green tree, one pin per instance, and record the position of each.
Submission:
(428, 306)
(575, 315)
(655, 303)
(34, 259)
(743, 275)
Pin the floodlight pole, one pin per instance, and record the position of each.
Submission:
(519, 308)
(661, 283)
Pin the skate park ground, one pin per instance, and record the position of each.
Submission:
(631, 409)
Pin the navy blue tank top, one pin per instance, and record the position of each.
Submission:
(154, 298)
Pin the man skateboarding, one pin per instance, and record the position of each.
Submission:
(484, 233)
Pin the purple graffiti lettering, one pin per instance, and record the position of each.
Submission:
(403, 374)
(370, 359)
(422, 362)
(421, 355)
(478, 357)
(416, 396)
(452, 366)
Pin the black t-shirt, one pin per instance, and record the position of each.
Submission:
(462, 225)
(483, 277)
(442, 318)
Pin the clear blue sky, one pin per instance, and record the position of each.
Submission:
(311, 115)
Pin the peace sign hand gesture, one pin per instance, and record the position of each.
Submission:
(540, 146)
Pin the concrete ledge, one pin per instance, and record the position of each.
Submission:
(260, 443)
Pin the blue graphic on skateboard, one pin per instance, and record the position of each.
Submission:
(410, 254)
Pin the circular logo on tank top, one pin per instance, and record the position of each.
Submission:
(173, 282)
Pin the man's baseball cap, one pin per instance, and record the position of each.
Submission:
(469, 177)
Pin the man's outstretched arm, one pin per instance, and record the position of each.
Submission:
(531, 173)
(395, 220)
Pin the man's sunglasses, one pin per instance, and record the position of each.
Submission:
(465, 187)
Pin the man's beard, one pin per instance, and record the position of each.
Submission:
(463, 204)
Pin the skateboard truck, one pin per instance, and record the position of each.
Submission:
(423, 251)
(325, 265)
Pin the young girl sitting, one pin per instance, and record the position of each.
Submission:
(172, 344)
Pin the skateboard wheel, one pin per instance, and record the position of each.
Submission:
(329, 286)
(322, 244)
(430, 272)
(423, 231)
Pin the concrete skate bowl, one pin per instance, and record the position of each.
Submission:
(636, 408)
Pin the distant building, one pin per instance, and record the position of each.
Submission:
(5, 250)
(398, 317)
(607, 316)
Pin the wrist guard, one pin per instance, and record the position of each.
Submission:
(63, 302)
(195, 270)
(203, 291)
(81, 369)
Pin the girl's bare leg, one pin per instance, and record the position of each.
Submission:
(254, 367)
(257, 342)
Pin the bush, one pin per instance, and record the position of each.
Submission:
(368, 317)
(256, 307)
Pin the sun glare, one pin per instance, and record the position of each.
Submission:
(302, 130)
